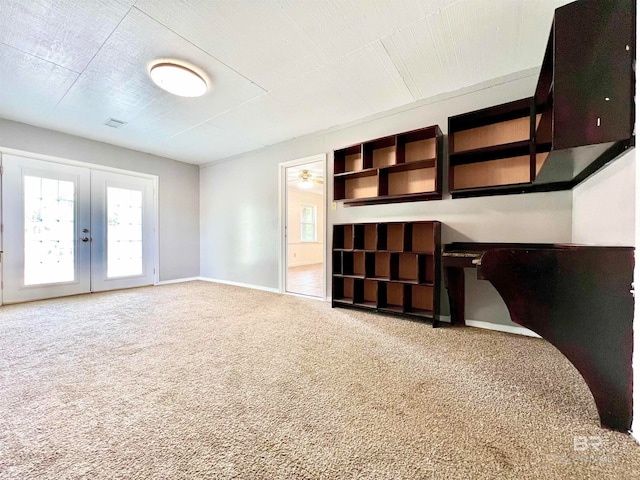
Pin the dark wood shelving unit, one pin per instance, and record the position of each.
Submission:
(491, 149)
(406, 167)
(390, 267)
(580, 118)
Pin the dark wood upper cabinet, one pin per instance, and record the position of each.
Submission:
(580, 117)
(585, 90)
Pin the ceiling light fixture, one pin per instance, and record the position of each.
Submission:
(178, 79)
(305, 179)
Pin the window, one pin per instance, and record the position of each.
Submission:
(307, 223)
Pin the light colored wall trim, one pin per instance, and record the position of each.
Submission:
(75, 163)
(308, 297)
(178, 280)
(239, 284)
(516, 329)
(303, 264)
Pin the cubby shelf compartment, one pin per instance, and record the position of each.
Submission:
(342, 291)
(393, 267)
(580, 117)
(399, 168)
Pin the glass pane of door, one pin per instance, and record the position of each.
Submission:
(124, 232)
(49, 230)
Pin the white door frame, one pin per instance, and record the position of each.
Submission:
(94, 166)
(282, 215)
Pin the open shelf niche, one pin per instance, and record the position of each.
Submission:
(398, 168)
(491, 150)
(388, 267)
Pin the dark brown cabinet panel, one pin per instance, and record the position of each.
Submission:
(585, 92)
(394, 267)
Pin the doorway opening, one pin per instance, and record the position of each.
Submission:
(303, 190)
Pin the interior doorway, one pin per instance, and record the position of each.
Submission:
(304, 192)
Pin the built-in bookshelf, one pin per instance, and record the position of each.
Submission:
(491, 148)
(398, 168)
(388, 267)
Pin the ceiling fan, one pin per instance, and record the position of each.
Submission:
(306, 179)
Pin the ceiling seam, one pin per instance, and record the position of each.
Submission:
(443, 97)
(379, 39)
(329, 63)
(342, 57)
(94, 56)
(216, 116)
(40, 58)
(201, 49)
(404, 82)
(304, 34)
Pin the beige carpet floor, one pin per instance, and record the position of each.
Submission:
(200, 380)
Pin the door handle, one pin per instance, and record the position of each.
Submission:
(85, 239)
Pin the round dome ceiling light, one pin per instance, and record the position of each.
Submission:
(178, 79)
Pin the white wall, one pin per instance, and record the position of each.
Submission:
(242, 195)
(178, 190)
(604, 205)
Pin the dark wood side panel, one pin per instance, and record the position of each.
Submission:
(594, 52)
(579, 300)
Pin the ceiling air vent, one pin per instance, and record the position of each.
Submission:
(112, 122)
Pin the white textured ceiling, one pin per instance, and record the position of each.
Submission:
(278, 68)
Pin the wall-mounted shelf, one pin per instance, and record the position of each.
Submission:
(580, 118)
(388, 267)
(491, 149)
(399, 168)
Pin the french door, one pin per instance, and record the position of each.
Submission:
(69, 230)
(122, 224)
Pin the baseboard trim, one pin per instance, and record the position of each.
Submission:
(239, 284)
(178, 280)
(516, 329)
(304, 264)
